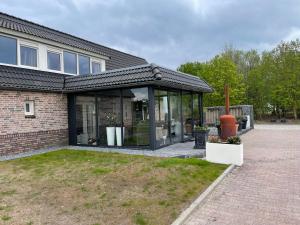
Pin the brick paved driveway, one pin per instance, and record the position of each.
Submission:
(266, 189)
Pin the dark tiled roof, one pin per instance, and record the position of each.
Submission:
(117, 59)
(27, 79)
(134, 76)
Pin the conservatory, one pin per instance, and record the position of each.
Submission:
(145, 107)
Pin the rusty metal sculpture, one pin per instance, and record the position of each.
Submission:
(228, 127)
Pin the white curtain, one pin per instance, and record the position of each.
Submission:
(28, 56)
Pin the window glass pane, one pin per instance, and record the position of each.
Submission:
(136, 117)
(196, 112)
(8, 50)
(70, 62)
(96, 67)
(84, 64)
(109, 118)
(86, 120)
(175, 116)
(161, 117)
(187, 115)
(28, 56)
(27, 107)
(53, 61)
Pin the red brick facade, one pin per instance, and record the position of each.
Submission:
(48, 128)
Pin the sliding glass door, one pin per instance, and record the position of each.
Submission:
(162, 126)
(109, 117)
(136, 117)
(86, 121)
(175, 116)
(187, 114)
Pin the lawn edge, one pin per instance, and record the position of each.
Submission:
(201, 198)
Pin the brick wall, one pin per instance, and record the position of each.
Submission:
(48, 128)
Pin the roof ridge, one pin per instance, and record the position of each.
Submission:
(30, 23)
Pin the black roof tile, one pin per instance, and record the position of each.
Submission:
(134, 76)
(26, 79)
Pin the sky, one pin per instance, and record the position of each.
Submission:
(168, 32)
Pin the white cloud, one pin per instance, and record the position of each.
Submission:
(206, 7)
(293, 34)
(168, 32)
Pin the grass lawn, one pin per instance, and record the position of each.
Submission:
(84, 187)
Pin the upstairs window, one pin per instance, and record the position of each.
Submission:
(28, 56)
(70, 62)
(53, 59)
(84, 64)
(8, 50)
(96, 67)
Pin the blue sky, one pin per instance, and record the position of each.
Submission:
(168, 32)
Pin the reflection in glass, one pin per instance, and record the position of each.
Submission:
(8, 50)
(175, 116)
(136, 116)
(187, 115)
(70, 62)
(53, 60)
(109, 116)
(86, 120)
(161, 118)
(84, 64)
(196, 112)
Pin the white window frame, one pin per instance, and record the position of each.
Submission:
(42, 55)
(98, 62)
(31, 108)
(29, 45)
(60, 53)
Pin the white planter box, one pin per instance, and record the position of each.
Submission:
(225, 153)
(110, 135)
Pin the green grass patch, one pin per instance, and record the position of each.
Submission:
(7, 193)
(5, 218)
(93, 186)
(100, 171)
(139, 219)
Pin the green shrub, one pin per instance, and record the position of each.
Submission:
(235, 140)
(200, 128)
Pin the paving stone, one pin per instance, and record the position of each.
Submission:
(266, 189)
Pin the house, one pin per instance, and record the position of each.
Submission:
(57, 89)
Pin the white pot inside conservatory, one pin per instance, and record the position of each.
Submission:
(119, 135)
(110, 135)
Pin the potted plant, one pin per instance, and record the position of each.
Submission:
(110, 129)
(201, 135)
(228, 152)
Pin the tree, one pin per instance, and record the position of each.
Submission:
(286, 76)
(269, 81)
(218, 72)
